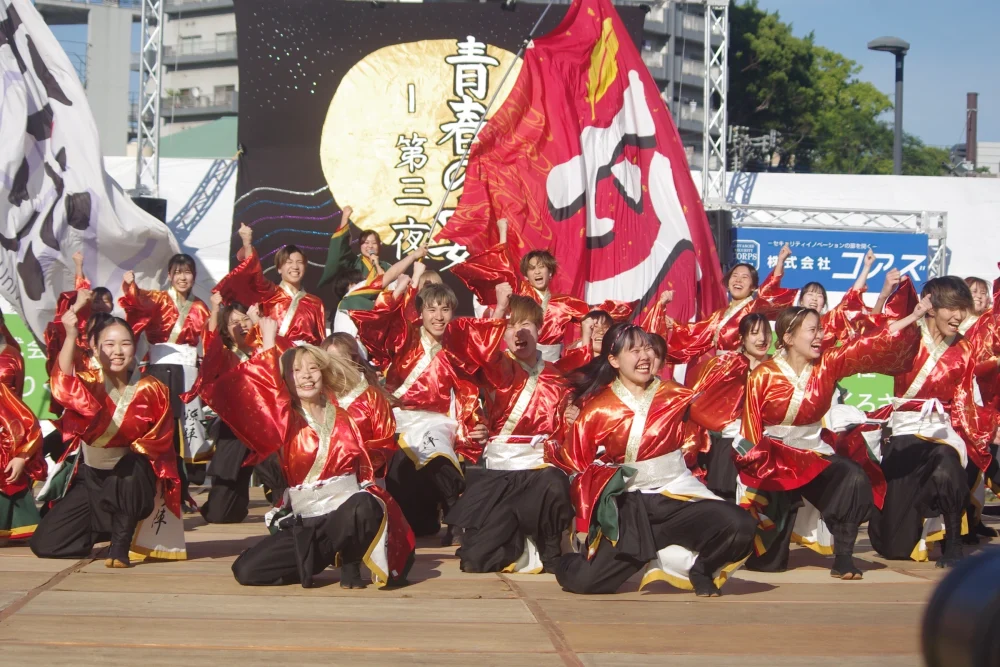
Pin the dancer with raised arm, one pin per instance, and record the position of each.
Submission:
(483, 271)
(300, 316)
(121, 430)
(937, 430)
(173, 321)
(637, 501)
(782, 448)
(514, 512)
(287, 406)
(428, 368)
(720, 332)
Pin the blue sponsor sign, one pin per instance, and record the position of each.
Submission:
(832, 258)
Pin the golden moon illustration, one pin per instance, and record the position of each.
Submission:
(385, 105)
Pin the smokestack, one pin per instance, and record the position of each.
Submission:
(971, 120)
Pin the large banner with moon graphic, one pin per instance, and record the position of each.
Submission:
(367, 105)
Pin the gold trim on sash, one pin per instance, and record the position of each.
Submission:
(968, 323)
(525, 395)
(122, 400)
(183, 307)
(323, 431)
(431, 348)
(349, 397)
(733, 308)
(640, 412)
(798, 383)
(296, 297)
(935, 352)
(545, 298)
(240, 354)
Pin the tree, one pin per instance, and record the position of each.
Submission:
(829, 119)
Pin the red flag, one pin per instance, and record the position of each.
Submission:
(583, 159)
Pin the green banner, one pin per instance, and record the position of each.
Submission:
(868, 391)
(36, 380)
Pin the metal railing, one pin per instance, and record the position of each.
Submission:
(932, 223)
(201, 47)
(186, 102)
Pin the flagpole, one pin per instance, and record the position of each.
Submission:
(489, 105)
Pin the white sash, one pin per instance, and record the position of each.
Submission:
(431, 349)
(806, 437)
(798, 383)
(426, 435)
(640, 412)
(667, 475)
(322, 496)
(931, 423)
(515, 452)
(103, 458)
(196, 446)
(550, 352)
(296, 297)
(173, 354)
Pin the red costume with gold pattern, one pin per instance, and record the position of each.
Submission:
(300, 316)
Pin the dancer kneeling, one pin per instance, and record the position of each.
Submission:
(337, 512)
(783, 454)
(638, 501)
(515, 511)
(122, 426)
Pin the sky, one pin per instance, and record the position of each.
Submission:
(953, 51)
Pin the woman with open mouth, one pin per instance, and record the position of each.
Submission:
(531, 277)
(721, 387)
(287, 405)
(120, 468)
(637, 503)
(782, 456)
(720, 332)
(937, 434)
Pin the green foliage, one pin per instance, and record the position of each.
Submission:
(830, 120)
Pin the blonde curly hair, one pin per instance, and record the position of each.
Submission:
(338, 375)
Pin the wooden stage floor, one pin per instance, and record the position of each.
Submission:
(194, 613)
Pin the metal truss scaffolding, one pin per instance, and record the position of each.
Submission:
(932, 223)
(147, 174)
(713, 172)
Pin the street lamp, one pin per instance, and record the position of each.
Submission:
(898, 48)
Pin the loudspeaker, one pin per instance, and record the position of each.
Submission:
(155, 206)
(721, 223)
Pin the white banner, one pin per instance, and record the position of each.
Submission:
(57, 197)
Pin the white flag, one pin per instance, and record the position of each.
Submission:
(57, 198)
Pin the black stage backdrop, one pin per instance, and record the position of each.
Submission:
(353, 103)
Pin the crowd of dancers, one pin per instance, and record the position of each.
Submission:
(536, 452)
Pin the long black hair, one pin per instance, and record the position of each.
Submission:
(599, 373)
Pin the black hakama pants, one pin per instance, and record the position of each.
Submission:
(500, 508)
(100, 505)
(303, 548)
(421, 494)
(843, 495)
(229, 498)
(719, 532)
(923, 479)
(720, 467)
